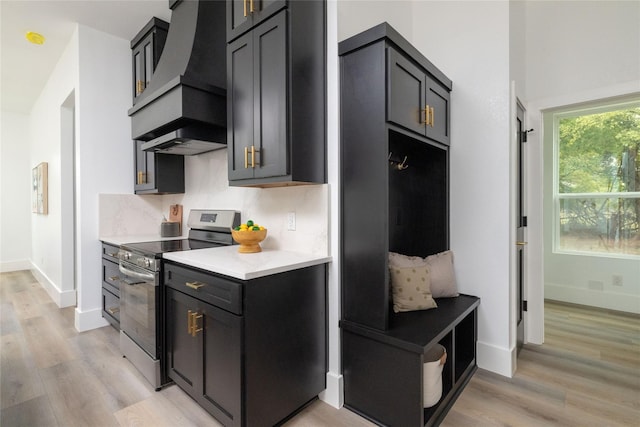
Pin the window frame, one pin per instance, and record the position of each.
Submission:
(603, 107)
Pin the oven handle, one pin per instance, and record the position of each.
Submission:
(136, 274)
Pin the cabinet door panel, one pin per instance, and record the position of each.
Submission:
(270, 97)
(438, 99)
(244, 14)
(238, 17)
(222, 363)
(183, 350)
(145, 166)
(405, 93)
(240, 105)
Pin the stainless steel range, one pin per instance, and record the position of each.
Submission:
(141, 293)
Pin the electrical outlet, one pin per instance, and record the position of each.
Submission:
(291, 221)
(616, 280)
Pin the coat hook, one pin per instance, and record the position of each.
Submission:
(396, 164)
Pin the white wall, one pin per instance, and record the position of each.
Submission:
(45, 146)
(95, 68)
(104, 154)
(469, 42)
(576, 52)
(15, 186)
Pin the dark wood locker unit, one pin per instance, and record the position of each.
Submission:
(276, 99)
(146, 48)
(157, 173)
(153, 173)
(395, 198)
(111, 285)
(250, 352)
(242, 15)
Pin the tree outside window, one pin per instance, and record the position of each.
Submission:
(598, 180)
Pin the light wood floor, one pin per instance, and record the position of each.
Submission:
(586, 374)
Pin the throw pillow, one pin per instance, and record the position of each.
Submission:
(443, 279)
(410, 287)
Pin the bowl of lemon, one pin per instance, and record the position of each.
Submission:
(249, 235)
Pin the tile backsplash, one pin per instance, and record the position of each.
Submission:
(207, 187)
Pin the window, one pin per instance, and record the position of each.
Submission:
(597, 180)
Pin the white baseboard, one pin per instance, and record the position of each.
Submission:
(593, 298)
(7, 266)
(61, 298)
(90, 319)
(496, 359)
(334, 393)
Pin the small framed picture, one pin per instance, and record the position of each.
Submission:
(39, 198)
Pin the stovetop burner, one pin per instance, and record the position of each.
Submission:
(159, 247)
(208, 229)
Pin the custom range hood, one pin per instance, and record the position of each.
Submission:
(183, 111)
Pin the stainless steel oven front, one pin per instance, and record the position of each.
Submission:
(141, 315)
(139, 298)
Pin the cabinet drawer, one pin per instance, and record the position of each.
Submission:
(111, 276)
(110, 252)
(110, 307)
(206, 287)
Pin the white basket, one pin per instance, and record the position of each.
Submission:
(434, 361)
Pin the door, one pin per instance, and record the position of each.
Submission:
(270, 97)
(437, 100)
(244, 14)
(182, 349)
(405, 93)
(240, 106)
(521, 223)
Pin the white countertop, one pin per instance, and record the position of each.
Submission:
(121, 240)
(228, 261)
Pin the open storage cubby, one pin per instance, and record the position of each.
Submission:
(395, 197)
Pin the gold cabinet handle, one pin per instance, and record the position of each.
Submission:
(433, 115)
(114, 278)
(521, 243)
(426, 115)
(253, 156)
(189, 321)
(139, 87)
(251, 6)
(194, 285)
(194, 323)
(113, 254)
(246, 157)
(244, 5)
(142, 177)
(113, 310)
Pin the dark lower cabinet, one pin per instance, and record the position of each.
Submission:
(204, 354)
(383, 370)
(250, 352)
(111, 277)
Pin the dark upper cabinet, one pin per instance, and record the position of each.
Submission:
(153, 173)
(259, 104)
(157, 173)
(416, 101)
(276, 99)
(146, 48)
(242, 15)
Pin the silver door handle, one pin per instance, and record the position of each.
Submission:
(135, 274)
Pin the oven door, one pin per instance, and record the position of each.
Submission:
(139, 306)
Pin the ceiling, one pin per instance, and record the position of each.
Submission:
(25, 67)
